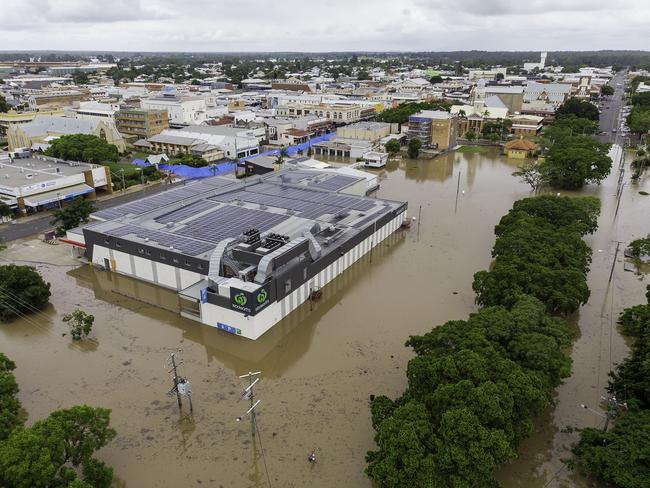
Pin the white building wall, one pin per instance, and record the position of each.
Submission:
(253, 327)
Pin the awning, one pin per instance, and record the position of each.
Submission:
(56, 195)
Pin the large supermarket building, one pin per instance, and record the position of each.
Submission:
(242, 254)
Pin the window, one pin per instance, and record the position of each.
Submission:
(107, 240)
(199, 266)
(141, 251)
(148, 253)
(176, 261)
(287, 286)
(163, 257)
(118, 244)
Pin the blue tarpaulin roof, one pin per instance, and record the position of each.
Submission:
(190, 172)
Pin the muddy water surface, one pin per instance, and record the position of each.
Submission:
(320, 365)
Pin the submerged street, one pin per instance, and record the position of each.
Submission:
(319, 366)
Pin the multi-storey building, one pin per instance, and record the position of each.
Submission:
(141, 123)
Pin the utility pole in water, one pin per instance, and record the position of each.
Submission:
(249, 394)
(181, 385)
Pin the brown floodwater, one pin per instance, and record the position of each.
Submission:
(320, 365)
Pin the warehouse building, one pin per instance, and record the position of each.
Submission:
(32, 183)
(242, 254)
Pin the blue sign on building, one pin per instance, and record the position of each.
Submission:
(227, 328)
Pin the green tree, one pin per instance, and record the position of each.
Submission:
(473, 387)
(49, 453)
(414, 147)
(393, 146)
(607, 90)
(529, 173)
(9, 403)
(363, 75)
(579, 108)
(574, 161)
(639, 120)
(83, 147)
(22, 290)
(470, 135)
(4, 106)
(5, 210)
(436, 79)
(81, 323)
(188, 160)
(402, 112)
(73, 215)
(80, 77)
(620, 456)
(539, 251)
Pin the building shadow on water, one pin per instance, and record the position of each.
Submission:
(274, 353)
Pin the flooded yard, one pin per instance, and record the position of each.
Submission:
(320, 365)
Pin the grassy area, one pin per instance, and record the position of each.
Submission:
(139, 155)
(129, 169)
(473, 149)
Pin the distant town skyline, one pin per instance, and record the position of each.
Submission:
(329, 25)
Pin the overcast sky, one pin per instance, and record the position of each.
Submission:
(324, 25)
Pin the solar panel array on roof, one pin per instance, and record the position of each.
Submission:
(229, 221)
(185, 212)
(335, 183)
(191, 247)
(309, 204)
(154, 202)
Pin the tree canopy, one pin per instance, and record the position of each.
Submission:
(607, 90)
(83, 147)
(414, 147)
(393, 146)
(574, 160)
(52, 452)
(73, 215)
(4, 106)
(474, 385)
(402, 112)
(539, 251)
(472, 389)
(22, 290)
(621, 456)
(9, 403)
(579, 108)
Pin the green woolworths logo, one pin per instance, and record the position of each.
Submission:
(262, 296)
(240, 299)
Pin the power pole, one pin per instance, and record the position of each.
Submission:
(181, 386)
(249, 394)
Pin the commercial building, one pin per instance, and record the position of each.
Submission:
(337, 112)
(435, 128)
(369, 131)
(141, 123)
(45, 128)
(174, 143)
(526, 125)
(95, 111)
(242, 255)
(31, 183)
(182, 110)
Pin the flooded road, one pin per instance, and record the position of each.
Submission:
(319, 366)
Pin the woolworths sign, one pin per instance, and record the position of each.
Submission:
(249, 302)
